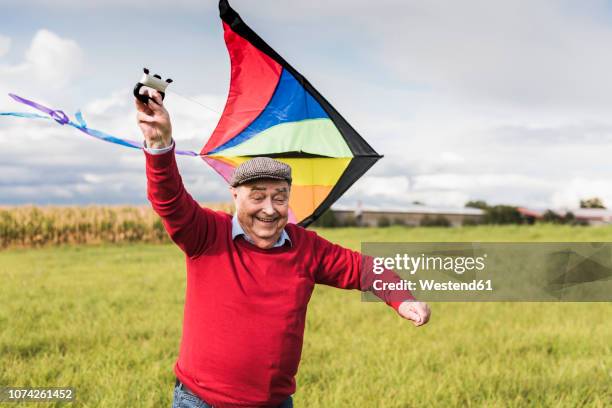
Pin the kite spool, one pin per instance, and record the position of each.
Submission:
(152, 81)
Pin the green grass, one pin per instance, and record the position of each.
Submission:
(106, 320)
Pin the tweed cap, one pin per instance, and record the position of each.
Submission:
(260, 168)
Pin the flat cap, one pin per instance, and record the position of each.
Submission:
(260, 168)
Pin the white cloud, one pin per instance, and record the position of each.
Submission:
(93, 178)
(53, 60)
(579, 188)
(50, 63)
(118, 100)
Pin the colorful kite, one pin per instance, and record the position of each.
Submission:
(273, 111)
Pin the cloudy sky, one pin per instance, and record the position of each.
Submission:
(505, 101)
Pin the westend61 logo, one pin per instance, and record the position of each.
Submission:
(422, 262)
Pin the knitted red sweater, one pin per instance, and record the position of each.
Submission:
(245, 307)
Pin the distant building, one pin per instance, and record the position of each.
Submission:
(411, 215)
(594, 216)
(591, 216)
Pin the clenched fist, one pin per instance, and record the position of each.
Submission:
(417, 312)
(153, 120)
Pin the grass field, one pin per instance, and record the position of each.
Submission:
(106, 320)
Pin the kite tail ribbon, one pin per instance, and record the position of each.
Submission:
(63, 119)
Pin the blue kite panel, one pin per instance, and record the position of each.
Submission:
(289, 103)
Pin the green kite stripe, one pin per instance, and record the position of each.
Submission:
(313, 136)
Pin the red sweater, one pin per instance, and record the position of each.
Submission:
(245, 307)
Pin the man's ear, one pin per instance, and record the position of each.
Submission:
(234, 192)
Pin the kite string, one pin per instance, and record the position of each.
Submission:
(215, 111)
(196, 102)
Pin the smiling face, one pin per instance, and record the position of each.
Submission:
(262, 207)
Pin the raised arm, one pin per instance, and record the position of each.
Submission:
(190, 226)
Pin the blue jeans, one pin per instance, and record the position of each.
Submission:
(185, 399)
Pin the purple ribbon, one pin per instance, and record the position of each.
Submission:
(57, 115)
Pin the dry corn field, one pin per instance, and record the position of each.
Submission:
(31, 226)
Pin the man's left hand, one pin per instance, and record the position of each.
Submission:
(417, 312)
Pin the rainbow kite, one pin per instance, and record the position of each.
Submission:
(273, 111)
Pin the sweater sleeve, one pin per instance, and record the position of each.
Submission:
(190, 226)
(343, 268)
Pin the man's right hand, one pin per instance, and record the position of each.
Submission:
(417, 312)
(154, 120)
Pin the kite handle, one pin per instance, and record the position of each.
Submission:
(143, 97)
(152, 81)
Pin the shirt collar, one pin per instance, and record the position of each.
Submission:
(237, 231)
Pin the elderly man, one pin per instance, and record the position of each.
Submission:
(249, 277)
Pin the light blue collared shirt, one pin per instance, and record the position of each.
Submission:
(237, 231)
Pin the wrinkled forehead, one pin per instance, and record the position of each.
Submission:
(266, 185)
